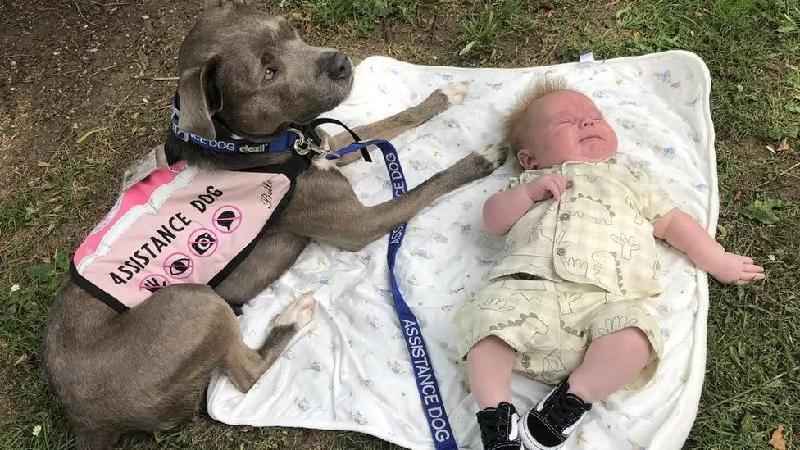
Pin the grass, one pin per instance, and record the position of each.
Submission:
(752, 48)
(362, 15)
(751, 381)
(491, 21)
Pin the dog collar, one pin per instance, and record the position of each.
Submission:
(289, 140)
(298, 138)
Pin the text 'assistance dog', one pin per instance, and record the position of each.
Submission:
(249, 76)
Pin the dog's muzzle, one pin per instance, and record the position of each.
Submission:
(336, 66)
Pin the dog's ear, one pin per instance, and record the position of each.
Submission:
(200, 99)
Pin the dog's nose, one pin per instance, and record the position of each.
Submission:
(336, 65)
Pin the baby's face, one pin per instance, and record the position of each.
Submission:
(565, 126)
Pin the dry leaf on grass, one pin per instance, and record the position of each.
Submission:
(782, 147)
(777, 441)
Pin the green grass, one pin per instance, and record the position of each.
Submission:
(752, 373)
(362, 15)
(492, 20)
(752, 48)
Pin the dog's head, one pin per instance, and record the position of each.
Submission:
(254, 73)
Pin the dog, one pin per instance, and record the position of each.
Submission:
(146, 369)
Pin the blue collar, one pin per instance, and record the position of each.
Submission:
(298, 138)
(291, 139)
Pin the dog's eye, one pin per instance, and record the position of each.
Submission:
(269, 74)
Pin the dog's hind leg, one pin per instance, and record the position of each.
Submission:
(245, 365)
(145, 369)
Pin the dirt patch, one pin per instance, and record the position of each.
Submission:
(771, 170)
(73, 69)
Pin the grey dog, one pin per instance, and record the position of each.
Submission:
(146, 369)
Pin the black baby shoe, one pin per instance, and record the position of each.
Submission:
(548, 425)
(500, 427)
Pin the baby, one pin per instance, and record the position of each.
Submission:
(571, 301)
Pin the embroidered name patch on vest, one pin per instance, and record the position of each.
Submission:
(178, 225)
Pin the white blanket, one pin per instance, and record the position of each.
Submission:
(350, 371)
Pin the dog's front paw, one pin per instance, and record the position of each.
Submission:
(456, 92)
(299, 313)
(481, 163)
(495, 154)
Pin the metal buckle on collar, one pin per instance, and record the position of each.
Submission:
(301, 144)
(304, 145)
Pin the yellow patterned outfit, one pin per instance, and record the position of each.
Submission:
(574, 270)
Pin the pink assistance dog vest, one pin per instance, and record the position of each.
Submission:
(180, 224)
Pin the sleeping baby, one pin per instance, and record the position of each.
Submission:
(571, 301)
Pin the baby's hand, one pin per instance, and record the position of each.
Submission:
(732, 268)
(546, 186)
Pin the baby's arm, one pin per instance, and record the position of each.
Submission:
(504, 208)
(682, 232)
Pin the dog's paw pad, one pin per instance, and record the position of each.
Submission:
(495, 154)
(299, 313)
(456, 92)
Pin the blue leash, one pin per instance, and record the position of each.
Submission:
(421, 365)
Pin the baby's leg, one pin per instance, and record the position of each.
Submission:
(611, 362)
(502, 317)
(489, 365)
(618, 354)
